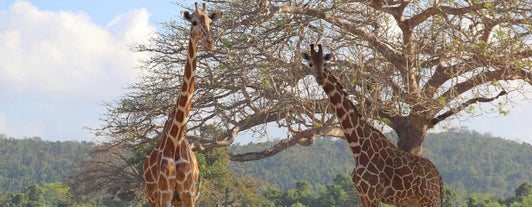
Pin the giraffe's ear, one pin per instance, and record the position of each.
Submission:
(327, 57)
(305, 56)
(186, 15)
(215, 15)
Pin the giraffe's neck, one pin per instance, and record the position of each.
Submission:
(175, 126)
(355, 128)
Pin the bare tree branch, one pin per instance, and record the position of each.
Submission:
(304, 138)
(463, 106)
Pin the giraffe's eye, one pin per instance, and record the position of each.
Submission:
(194, 23)
(310, 64)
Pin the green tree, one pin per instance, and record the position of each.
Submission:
(220, 186)
(56, 194)
(32, 196)
(482, 200)
(35, 195)
(523, 191)
(522, 195)
(330, 195)
(340, 194)
(275, 195)
(525, 202)
(14, 199)
(298, 205)
(451, 197)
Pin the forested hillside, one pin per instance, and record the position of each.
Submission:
(24, 162)
(479, 162)
(468, 161)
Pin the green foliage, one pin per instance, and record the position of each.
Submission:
(340, 193)
(478, 170)
(52, 194)
(220, 186)
(482, 200)
(29, 161)
(452, 198)
(523, 195)
(33, 196)
(56, 195)
(468, 161)
(473, 162)
(318, 163)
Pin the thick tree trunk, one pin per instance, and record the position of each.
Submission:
(411, 131)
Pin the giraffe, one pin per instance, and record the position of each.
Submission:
(383, 172)
(171, 170)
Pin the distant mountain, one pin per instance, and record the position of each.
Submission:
(24, 162)
(480, 162)
(467, 160)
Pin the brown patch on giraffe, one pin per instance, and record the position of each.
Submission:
(179, 188)
(388, 172)
(183, 167)
(347, 105)
(372, 167)
(183, 99)
(328, 87)
(163, 183)
(180, 115)
(170, 144)
(188, 182)
(336, 96)
(370, 150)
(346, 123)
(152, 158)
(191, 53)
(188, 75)
(174, 129)
(363, 159)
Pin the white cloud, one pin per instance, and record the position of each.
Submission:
(65, 53)
(57, 67)
(131, 27)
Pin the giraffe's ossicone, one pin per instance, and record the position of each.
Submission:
(171, 170)
(383, 172)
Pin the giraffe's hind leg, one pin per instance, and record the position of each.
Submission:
(415, 204)
(429, 203)
(367, 202)
(187, 200)
(176, 200)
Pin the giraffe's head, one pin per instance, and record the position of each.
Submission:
(316, 60)
(201, 23)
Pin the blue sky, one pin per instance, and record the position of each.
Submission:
(62, 58)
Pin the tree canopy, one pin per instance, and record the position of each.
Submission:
(408, 65)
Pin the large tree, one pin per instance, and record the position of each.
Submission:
(408, 64)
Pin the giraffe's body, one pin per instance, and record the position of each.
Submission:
(383, 172)
(170, 170)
